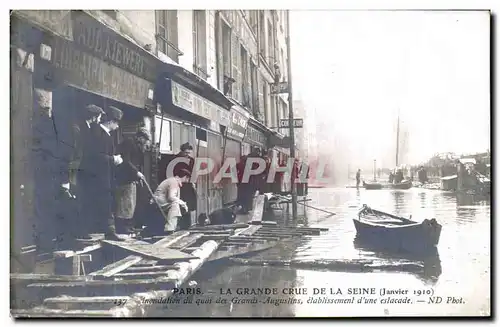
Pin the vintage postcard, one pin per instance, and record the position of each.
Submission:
(250, 163)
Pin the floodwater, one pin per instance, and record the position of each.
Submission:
(459, 269)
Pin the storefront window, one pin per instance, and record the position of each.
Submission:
(163, 135)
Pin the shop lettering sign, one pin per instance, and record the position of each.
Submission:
(184, 98)
(91, 35)
(83, 70)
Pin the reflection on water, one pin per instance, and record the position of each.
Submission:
(460, 267)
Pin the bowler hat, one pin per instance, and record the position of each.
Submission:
(95, 110)
(115, 113)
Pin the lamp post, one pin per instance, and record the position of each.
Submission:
(290, 113)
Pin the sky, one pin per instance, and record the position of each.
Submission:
(357, 69)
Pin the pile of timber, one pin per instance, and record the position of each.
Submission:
(140, 270)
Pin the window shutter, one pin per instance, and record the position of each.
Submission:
(236, 59)
(260, 92)
(195, 40)
(220, 54)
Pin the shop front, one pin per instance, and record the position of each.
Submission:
(185, 115)
(234, 135)
(63, 61)
(257, 137)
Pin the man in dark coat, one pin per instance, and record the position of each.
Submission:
(96, 177)
(188, 190)
(128, 177)
(71, 153)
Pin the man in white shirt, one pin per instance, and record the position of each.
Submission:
(167, 195)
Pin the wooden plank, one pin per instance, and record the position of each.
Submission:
(152, 251)
(84, 302)
(146, 263)
(252, 238)
(269, 223)
(136, 306)
(250, 230)
(70, 254)
(45, 313)
(47, 277)
(237, 244)
(171, 239)
(151, 268)
(288, 231)
(220, 227)
(102, 283)
(141, 274)
(212, 232)
(258, 210)
(186, 241)
(191, 249)
(117, 266)
(220, 237)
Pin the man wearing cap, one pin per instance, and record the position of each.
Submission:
(96, 177)
(127, 176)
(188, 190)
(71, 153)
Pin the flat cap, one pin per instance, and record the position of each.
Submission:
(143, 131)
(186, 146)
(93, 109)
(115, 113)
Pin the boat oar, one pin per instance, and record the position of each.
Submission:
(310, 206)
(315, 208)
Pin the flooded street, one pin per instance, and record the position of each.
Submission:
(461, 268)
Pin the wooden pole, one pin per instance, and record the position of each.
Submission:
(290, 114)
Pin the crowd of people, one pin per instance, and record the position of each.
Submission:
(101, 188)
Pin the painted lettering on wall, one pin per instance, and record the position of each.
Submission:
(86, 71)
(106, 44)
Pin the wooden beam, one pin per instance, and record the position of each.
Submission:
(152, 251)
(150, 268)
(186, 241)
(84, 302)
(102, 283)
(249, 231)
(136, 306)
(258, 210)
(45, 313)
(220, 227)
(140, 274)
(33, 278)
(171, 239)
(116, 267)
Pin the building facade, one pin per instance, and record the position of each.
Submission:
(199, 76)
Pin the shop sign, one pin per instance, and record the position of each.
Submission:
(256, 137)
(196, 104)
(238, 124)
(83, 70)
(92, 36)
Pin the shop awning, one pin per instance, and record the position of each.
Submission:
(195, 83)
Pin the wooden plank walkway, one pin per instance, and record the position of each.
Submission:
(147, 273)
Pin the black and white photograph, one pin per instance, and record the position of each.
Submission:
(250, 163)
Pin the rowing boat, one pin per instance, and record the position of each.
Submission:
(372, 185)
(392, 231)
